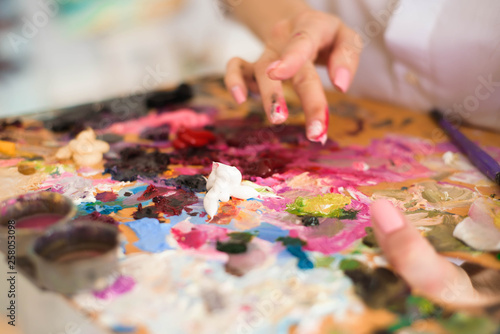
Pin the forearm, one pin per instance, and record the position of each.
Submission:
(261, 15)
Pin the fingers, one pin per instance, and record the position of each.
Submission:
(311, 31)
(307, 84)
(271, 91)
(237, 73)
(417, 262)
(344, 59)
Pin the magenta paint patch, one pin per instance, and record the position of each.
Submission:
(39, 221)
(123, 284)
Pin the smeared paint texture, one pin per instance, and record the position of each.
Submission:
(134, 162)
(379, 288)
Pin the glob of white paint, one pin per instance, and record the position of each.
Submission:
(85, 149)
(224, 182)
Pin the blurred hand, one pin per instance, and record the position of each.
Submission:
(428, 273)
(293, 48)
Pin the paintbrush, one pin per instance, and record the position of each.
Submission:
(482, 160)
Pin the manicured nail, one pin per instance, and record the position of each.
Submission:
(278, 114)
(323, 139)
(238, 94)
(316, 131)
(342, 79)
(386, 216)
(272, 66)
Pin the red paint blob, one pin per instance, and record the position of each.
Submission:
(149, 193)
(107, 196)
(39, 221)
(174, 204)
(193, 138)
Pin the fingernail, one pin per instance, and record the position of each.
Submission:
(272, 66)
(323, 139)
(386, 216)
(238, 94)
(342, 79)
(277, 115)
(316, 131)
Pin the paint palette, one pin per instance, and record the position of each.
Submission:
(300, 258)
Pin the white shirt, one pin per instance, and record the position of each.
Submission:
(428, 53)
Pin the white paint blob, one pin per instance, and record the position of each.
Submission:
(224, 182)
(85, 149)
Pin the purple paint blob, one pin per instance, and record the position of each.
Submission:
(38, 221)
(122, 285)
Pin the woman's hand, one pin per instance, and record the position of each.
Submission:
(293, 48)
(428, 273)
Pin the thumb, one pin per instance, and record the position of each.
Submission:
(414, 258)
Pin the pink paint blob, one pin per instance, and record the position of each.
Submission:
(192, 239)
(181, 118)
(39, 221)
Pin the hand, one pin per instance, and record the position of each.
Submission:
(428, 273)
(293, 48)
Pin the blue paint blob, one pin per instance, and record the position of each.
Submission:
(304, 262)
(269, 232)
(124, 329)
(102, 209)
(152, 235)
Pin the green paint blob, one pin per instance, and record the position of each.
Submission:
(349, 264)
(289, 241)
(324, 262)
(236, 244)
(231, 247)
(441, 237)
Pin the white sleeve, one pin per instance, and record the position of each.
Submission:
(428, 53)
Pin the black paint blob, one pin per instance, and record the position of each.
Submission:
(134, 162)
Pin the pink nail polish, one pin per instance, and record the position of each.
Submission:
(342, 79)
(272, 66)
(238, 94)
(277, 115)
(386, 216)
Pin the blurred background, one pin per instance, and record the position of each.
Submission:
(57, 53)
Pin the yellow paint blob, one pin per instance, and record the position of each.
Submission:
(327, 205)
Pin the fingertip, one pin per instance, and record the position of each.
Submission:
(238, 94)
(279, 112)
(272, 66)
(386, 216)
